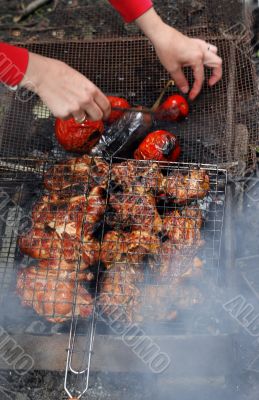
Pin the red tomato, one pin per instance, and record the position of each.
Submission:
(78, 137)
(173, 108)
(116, 102)
(159, 145)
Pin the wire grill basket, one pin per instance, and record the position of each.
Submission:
(130, 241)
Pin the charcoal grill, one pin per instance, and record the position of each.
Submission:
(220, 136)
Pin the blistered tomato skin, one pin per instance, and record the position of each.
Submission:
(160, 146)
(174, 108)
(116, 102)
(79, 138)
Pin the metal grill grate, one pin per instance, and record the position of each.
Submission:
(222, 127)
(131, 244)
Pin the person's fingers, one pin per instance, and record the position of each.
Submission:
(198, 73)
(93, 111)
(104, 104)
(180, 80)
(210, 47)
(214, 62)
(216, 75)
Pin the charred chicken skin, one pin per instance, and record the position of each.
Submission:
(52, 297)
(185, 187)
(136, 210)
(144, 175)
(70, 215)
(131, 248)
(91, 171)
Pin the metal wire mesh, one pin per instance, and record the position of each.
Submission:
(131, 240)
(222, 127)
(90, 20)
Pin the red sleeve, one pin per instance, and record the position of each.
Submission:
(131, 9)
(13, 64)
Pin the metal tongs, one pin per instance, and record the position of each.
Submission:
(146, 110)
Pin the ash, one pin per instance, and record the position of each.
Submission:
(42, 385)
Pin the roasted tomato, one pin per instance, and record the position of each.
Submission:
(116, 102)
(174, 108)
(77, 137)
(159, 145)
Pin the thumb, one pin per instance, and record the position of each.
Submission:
(180, 80)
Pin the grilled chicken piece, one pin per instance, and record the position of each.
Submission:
(183, 228)
(87, 170)
(142, 245)
(66, 215)
(61, 215)
(177, 265)
(46, 244)
(135, 210)
(131, 248)
(119, 296)
(67, 270)
(95, 208)
(140, 174)
(52, 297)
(113, 248)
(184, 187)
(90, 250)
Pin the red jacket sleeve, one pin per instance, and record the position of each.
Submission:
(13, 64)
(131, 9)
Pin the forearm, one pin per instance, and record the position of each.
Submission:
(151, 24)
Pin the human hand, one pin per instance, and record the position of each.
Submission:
(64, 90)
(176, 51)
